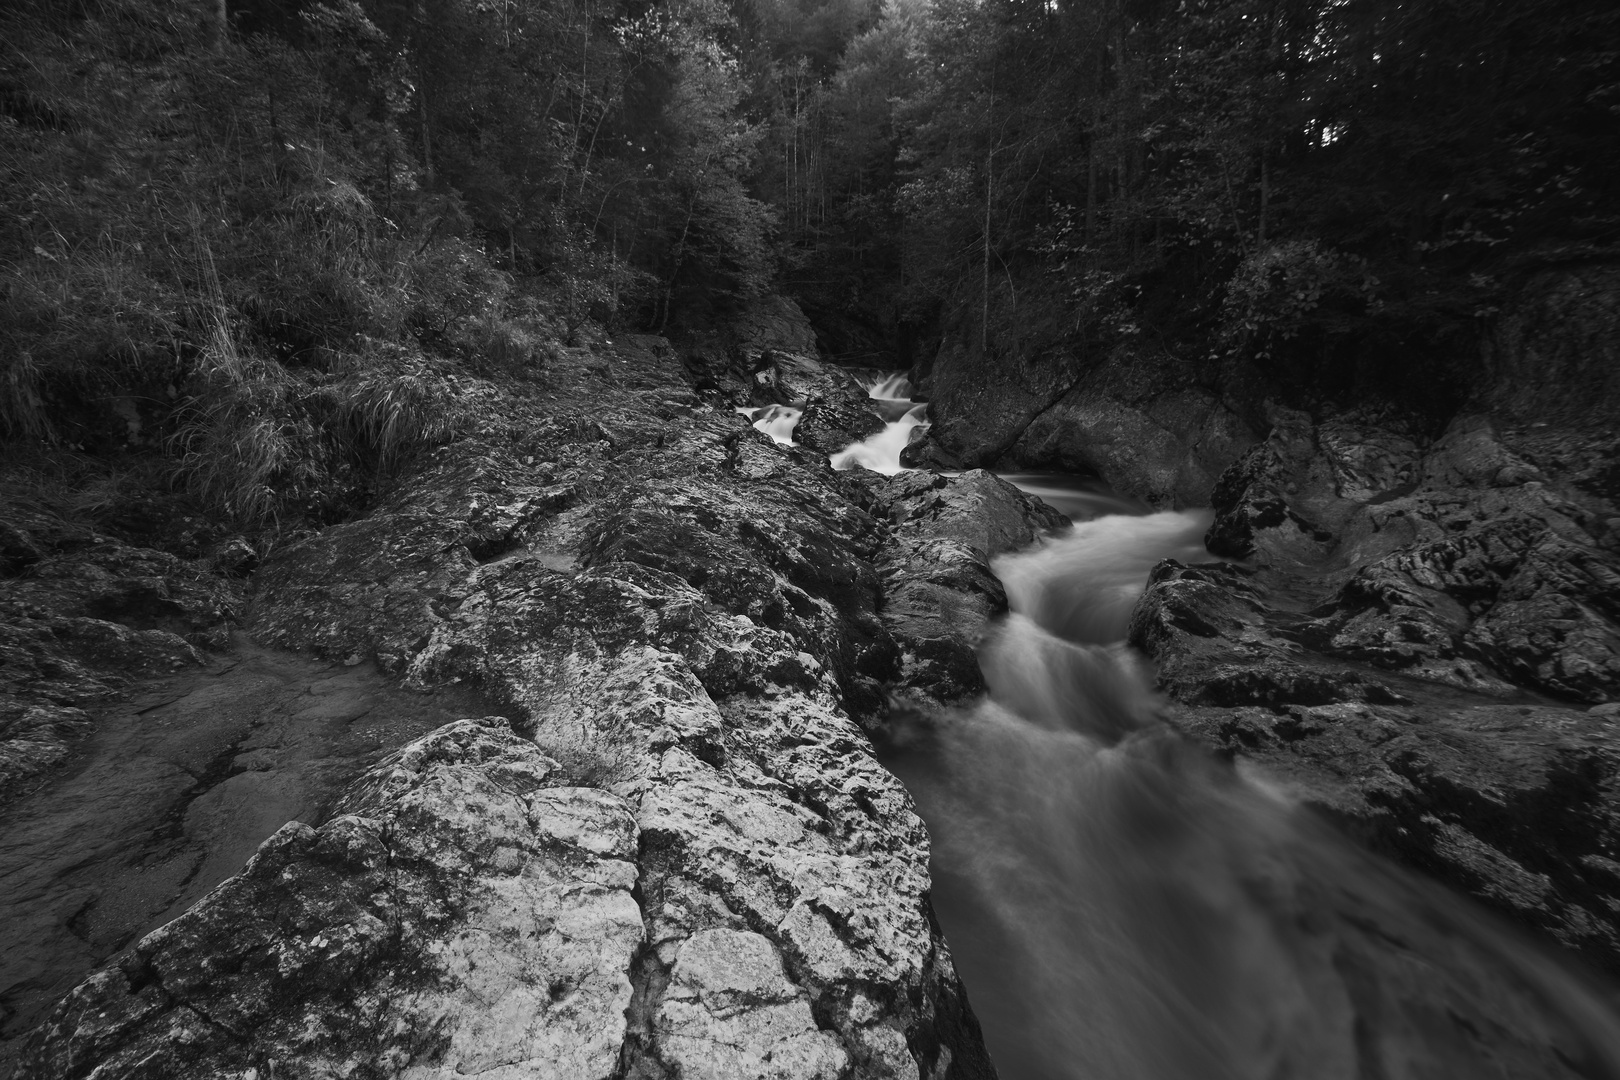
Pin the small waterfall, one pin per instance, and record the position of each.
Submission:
(891, 387)
(881, 453)
(891, 396)
(1076, 497)
(1082, 584)
(1123, 906)
(777, 421)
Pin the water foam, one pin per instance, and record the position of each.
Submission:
(777, 421)
(1082, 584)
(881, 452)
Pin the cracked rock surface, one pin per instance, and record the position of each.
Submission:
(679, 859)
(1422, 637)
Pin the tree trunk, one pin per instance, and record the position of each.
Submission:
(989, 188)
(1091, 186)
(1265, 197)
(427, 135)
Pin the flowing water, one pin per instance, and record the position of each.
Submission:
(891, 396)
(1123, 906)
(173, 792)
(777, 421)
(881, 453)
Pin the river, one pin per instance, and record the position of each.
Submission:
(1122, 905)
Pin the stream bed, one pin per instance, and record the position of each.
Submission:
(173, 792)
(1122, 905)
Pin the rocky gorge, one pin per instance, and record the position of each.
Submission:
(650, 837)
(665, 849)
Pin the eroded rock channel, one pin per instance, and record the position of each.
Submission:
(653, 839)
(674, 854)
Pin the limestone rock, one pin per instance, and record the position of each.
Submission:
(685, 620)
(729, 1013)
(456, 916)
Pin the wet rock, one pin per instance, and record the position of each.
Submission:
(84, 615)
(1216, 642)
(1141, 420)
(838, 412)
(1400, 592)
(1166, 452)
(683, 618)
(938, 589)
(923, 451)
(1454, 562)
(1515, 804)
(458, 915)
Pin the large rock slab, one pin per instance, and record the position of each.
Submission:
(1461, 561)
(457, 915)
(1150, 425)
(939, 592)
(681, 860)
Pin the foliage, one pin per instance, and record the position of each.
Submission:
(1283, 177)
(260, 239)
(1281, 289)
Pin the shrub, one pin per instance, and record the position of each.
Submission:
(385, 409)
(1281, 290)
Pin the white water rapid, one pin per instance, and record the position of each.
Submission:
(891, 387)
(777, 421)
(881, 453)
(1123, 906)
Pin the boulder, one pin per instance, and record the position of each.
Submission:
(938, 589)
(461, 913)
(1458, 560)
(1398, 594)
(1138, 418)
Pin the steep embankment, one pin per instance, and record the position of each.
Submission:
(681, 857)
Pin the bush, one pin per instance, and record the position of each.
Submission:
(1280, 291)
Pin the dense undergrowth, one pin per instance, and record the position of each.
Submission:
(243, 262)
(257, 242)
(199, 270)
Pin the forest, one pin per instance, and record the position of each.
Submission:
(259, 236)
(814, 539)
